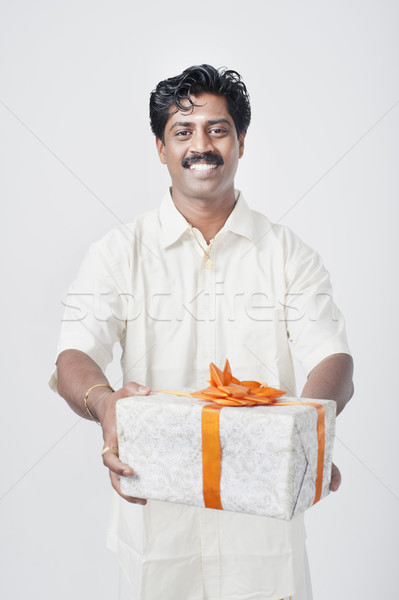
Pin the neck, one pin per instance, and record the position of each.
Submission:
(208, 216)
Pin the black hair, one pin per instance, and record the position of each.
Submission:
(197, 80)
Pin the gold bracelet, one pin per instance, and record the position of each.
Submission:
(106, 385)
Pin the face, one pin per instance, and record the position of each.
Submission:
(201, 149)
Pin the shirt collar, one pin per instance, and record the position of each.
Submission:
(241, 220)
(174, 225)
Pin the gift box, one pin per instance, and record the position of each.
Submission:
(270, 458)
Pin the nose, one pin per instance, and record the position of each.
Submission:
(201, 142)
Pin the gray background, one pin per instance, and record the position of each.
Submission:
(78, 157)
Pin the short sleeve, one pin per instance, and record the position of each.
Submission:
(316, 327)
(95, 310)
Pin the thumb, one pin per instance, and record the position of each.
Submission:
(134, 389)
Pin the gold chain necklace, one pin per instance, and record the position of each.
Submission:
(208, 262)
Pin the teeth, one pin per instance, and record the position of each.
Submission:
(202, 166)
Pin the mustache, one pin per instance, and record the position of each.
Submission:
(212, 159)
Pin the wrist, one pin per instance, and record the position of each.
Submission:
(96, 401)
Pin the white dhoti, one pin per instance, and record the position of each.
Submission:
(183, 552)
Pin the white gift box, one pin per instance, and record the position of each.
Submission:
(269, 454)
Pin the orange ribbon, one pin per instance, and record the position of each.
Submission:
(226, 390)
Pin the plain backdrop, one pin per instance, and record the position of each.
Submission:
(78, 158)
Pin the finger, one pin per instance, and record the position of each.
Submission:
(335, 478)
(115, 480)
(111, 460)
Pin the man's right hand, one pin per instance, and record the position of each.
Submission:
(104, 406)
(77, 372)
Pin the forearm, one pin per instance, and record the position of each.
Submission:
(77, 372)
(331, 379)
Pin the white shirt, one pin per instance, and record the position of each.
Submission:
(145, 285)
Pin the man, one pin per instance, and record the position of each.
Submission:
(201, 279)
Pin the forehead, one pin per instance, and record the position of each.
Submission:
(207, 107)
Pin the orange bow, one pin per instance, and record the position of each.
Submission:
(226, 390)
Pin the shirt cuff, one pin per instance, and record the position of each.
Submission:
(321, 352)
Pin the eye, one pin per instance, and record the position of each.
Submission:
(219, 131)
(182, 133)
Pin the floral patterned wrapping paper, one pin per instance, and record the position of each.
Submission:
(269, 453)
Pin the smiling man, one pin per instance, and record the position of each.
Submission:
(198, 280)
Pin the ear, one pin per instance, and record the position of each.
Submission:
(241, 144)
(161, 150)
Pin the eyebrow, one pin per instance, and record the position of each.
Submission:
(190, 123)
